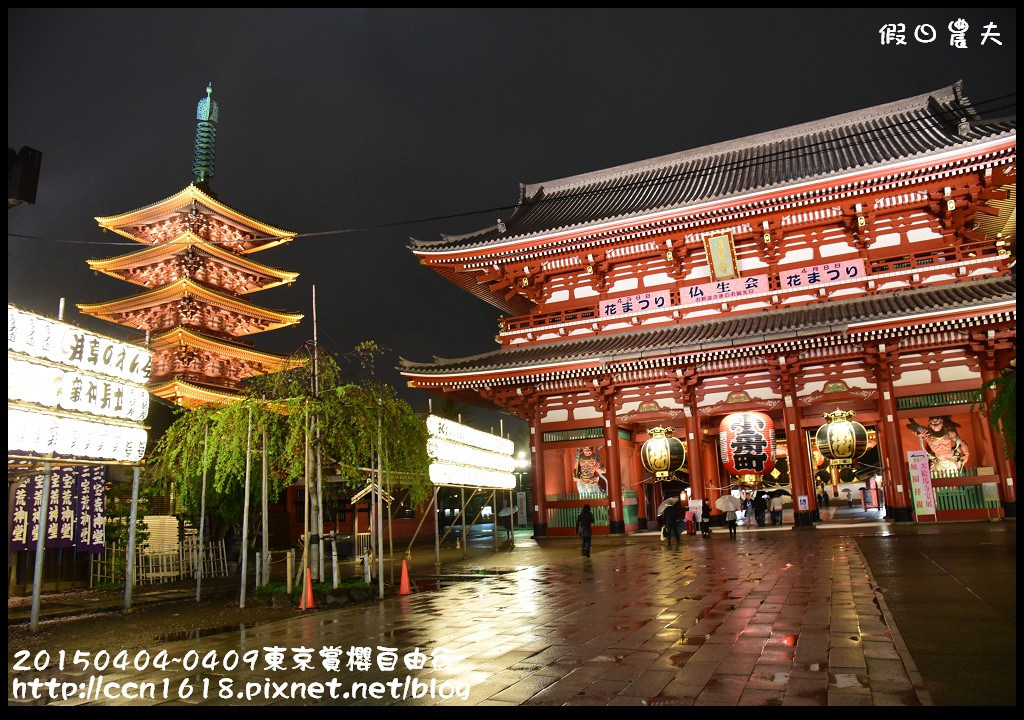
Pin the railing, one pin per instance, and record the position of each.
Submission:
(157, 564)
(565, 517)
(362, 546)
(964, 497)
(923, 402)
(564, 510)
(525, 322)
(934, 256)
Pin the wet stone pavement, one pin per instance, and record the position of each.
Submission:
(776, 619)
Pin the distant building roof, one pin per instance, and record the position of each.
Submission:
(914, 127)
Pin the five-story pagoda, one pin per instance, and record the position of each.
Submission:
(197, 275)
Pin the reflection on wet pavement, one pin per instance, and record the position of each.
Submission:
(780, 619)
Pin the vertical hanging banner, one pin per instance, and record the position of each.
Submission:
(67, 491)
(99, 508)
(21, 515)
(76, 512)
(921, 485)
(83, 513)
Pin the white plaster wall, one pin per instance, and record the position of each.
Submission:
(554, 416)
(921, 234)
(585, 413)
(625, 284)
(833, 249)
(887, 240)
(960, 372)
(797, 255)
(914, 377)
(656, 279)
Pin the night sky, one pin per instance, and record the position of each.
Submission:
(359, 129)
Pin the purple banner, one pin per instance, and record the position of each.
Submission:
(83, 513)
(99, 518)
(22, 514)
(63, 489)
(76, 510)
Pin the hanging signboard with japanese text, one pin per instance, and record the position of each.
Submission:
(921, 485)
(463, 456)
(723, 290)
(638, 302)
(74, 394)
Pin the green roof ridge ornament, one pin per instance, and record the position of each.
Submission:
(207, 114)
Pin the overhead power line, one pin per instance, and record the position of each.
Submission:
(852, 140)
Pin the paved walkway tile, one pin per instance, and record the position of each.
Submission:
(769, 619)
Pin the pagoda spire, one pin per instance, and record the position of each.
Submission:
(203, 161)
(196, 278)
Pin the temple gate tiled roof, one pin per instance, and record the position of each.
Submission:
(915, 127)
(834, 317)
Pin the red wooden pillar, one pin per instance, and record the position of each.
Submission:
(801, 474)
(616, 524)
(708, 449)
(1007, 491)
(895, 480)
(540, 506)
(694, 458)
(641, 494)
(801, 479)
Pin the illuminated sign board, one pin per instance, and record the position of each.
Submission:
(45, 339)
(40, 432)
(73, 393)
(461, 455)
(51, 387)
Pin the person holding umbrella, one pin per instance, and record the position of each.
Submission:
(507, 512)
(729, 504)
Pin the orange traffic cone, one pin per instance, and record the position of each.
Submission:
(307, 593)
(403, 588)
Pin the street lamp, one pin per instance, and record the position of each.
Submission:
(521, 465)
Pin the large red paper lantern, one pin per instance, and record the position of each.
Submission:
(746, 443)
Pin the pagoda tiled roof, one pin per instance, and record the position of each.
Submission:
(908, 129)
(187, 288)
(192, 394)
(183, 244)
(721, 333)
(181, 335)
(268, 235)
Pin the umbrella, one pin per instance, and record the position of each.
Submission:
(506, 511)
(666, 502)
(727, 502)
(780, 491)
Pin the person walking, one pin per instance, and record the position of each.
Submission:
(760, 507)
(748, 514)
(671, 520)
(730, 521)
(583, 525)
(777, 510)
